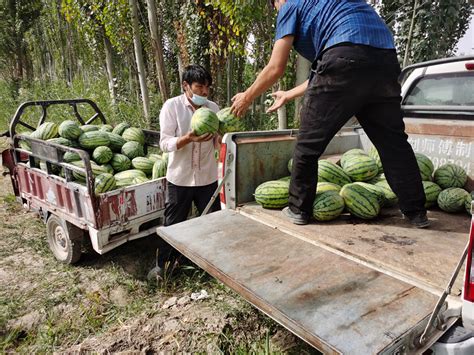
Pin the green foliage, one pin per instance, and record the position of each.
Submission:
(438, 26)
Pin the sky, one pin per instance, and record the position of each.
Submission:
(466, 44)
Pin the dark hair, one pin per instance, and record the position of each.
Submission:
(195, 73)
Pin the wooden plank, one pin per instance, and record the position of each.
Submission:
(428, 256)
(333, 303)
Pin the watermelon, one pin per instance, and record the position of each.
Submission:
(327, 186)
(452, 199)
(106, 128)
(425, 165)
(285, 178)
(360, 167)
(468, 203)
(327, 206)
(102, 154)
(143, 164)
(377, 191)
(272, 194)
(120, 128)
(165, 156)
(89, 128)
(377, 179)
(154, 157)
(359, 202)
(290, 165)
(450, 175)
(120, 162)
(47, 131)
(139, 180)
(70, 157)
(350, 153)
(204, 120)
(432, 191)
(116, 142)
(390, 198)
(55, 169)
(132, 149)
(96, 170)
(134, 134)
(93, 139)
(374, 154)
(228, 122)
(104, 182)
(60, 141)
(126, 178)
(70, 130)
(108, 168)
(330, 172)
(159, 169)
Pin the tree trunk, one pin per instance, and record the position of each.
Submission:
(410, 34)
(282, 118)
(139, 58)
(110, 67)
(157, 50)
(303, 66)
(230, 69)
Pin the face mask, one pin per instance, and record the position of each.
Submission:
(199, 100)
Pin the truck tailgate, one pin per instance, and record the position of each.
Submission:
(334, 303)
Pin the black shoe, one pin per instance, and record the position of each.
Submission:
(295, 218)
(419, 220)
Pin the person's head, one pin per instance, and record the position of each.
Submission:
(277, 4)
(196, 84)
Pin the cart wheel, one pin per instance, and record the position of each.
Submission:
(64, 239)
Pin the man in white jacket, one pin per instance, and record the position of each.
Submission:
(192, 167)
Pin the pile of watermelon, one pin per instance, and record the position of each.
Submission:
(358, 185)
(117, 153)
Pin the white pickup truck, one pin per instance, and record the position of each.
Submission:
(351, 286)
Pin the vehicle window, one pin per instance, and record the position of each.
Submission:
(455, 89)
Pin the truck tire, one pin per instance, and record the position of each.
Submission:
(64, 239)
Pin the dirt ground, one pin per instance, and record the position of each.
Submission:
(105, 304)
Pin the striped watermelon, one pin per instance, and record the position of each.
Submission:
(374, 154)
(327, 206)
(55, 169)
(70, 157)
(96, 170)
(359, 202)
(102, 154)
(143, 164)
(330, 172)
(104, 182)
(452, 199)
(450, 175)
(132, 150)
(47, 131)
(425, 165)
(350, 153)
(165, 157)
(390, 198)
(89, 128)
(377, 191)
(154, 157)
(106, 128)
(228, 122)
(327, 186)
(134, 134)
(120, 128)
(108, 168)
(204, 120)
(290, 165)
(120, 162)
(70, 130)
(468, 202)
(432, 191)
(60, 141)
(360, 167)
(139, 180)
(126, 178)
(272, 194)
(285, 178)
(377, 179)
(159, 169)
(93, 139)
(116, 142)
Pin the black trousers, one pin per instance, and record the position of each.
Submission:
(179, 200)
(362, 81)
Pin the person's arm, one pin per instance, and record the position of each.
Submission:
(267, 77)
(282, 97)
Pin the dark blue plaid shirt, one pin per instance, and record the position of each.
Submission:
(320, 24)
